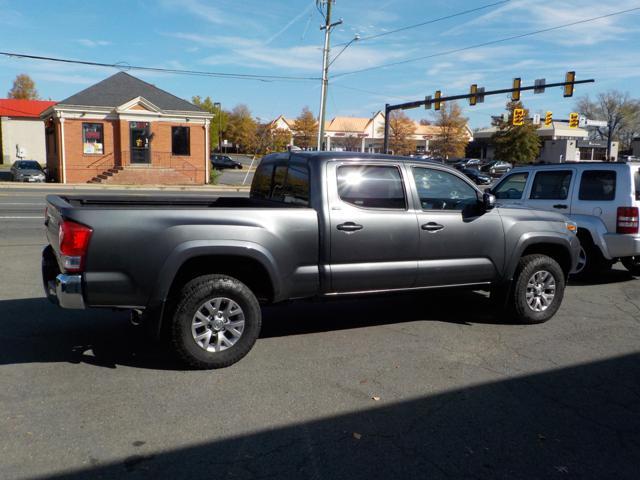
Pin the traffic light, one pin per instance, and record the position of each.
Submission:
(518, 116)
(548, 119)
(436, 104)
(473, 99)
(427, 102)
(568, 89)
(515, 95)
(574, 120)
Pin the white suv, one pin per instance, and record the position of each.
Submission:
(602, 198)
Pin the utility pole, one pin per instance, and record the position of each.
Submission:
(325, 68)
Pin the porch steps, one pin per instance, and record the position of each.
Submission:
(137, 175)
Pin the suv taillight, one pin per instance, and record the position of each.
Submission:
(73, 240)
(627, 220)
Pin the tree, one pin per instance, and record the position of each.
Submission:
(241, 128)
(621, 112)
(218, 122)
(401, 128)
(453, 138)
(305, 129)
(513, 143)
(270, 139)
(23, 88)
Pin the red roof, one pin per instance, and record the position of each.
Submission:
(10, 107)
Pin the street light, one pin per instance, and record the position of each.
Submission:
(218, 107)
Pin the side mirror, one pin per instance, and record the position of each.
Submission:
(489, 201)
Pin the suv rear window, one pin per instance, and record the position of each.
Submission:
(371, 186)
(553, 185)
(598, 185)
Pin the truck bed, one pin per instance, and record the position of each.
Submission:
(162, 201)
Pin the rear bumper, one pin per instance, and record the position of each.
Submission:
(619, 246)
(61, 289)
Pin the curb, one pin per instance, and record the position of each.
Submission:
(83, 186)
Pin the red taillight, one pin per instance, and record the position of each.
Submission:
(73, 240)
(627, 220)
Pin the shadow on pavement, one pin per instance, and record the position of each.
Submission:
(5, 176)
(33, 330)
(617, 275)
(579, 422)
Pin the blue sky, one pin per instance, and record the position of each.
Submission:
(282, 37)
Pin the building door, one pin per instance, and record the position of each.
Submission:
(139, 142)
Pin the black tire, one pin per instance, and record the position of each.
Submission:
(192, 297)
(518, 306)
(632, 264)
(594, 261)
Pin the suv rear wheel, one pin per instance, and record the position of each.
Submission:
(632, 264)
(590, 261)
(538, 289)
(216, 322)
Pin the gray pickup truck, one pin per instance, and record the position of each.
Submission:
(315, 224)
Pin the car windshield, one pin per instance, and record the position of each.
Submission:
(28, 165)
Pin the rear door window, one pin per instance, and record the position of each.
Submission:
(552, 185)
(261, 184)
(371, 186)
(512, 187)
(598, 185)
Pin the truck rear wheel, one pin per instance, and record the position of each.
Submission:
(216, 322)
(538, 289)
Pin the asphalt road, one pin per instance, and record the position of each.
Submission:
(403, 386)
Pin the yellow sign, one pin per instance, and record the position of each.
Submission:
(574, 120)
(518, 116)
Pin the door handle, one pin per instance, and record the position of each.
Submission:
(432, 227)
(349, 227)
(561, 205)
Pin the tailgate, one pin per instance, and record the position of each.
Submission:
(56, 206)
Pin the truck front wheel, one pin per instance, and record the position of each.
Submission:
(216, 322)
(538, 289)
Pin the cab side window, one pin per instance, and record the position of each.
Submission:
(551, 185)
(371, 186)
(512, 187)
(440, 190)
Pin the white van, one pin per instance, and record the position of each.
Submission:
(602, 198)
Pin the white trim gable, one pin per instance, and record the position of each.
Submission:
(138, 101)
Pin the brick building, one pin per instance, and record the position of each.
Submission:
(126, 131)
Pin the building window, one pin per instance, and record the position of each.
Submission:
(180, 141)
(92, 139)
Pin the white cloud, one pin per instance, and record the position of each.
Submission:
(248, 52)
(202, 10)
(93, 43)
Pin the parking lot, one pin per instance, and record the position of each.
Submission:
(426, 385)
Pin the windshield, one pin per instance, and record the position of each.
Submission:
(28, 164)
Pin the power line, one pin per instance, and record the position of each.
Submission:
(428, 22)
(484, 44)
(125, 66)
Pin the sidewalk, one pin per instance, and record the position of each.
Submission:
(97, 186)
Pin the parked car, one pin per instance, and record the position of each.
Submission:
(496, 168)
(477, 176)
(316, 224)
(27, 171)
(224, 161)
(467, 163)
(603, 198)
